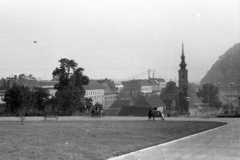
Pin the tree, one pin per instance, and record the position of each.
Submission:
(18, 100)
(4, 85)
(209, 94)
(192, 88)
(39, 98)
(88, 104)
(183, 103)
(70, 91)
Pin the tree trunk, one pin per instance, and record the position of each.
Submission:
(22, 119)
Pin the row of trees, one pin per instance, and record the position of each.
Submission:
(209, 93)
(20, 100)
(69, 98)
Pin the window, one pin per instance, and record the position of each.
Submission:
(183, 77)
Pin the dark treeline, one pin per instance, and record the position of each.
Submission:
(69, 97)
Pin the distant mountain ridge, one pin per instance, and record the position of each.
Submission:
(226, 69)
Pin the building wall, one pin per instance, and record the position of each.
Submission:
(161, 85)
(96, 95)
(119, 88)
(1, 97)
(109, 100)
(183, 80)
(146, 89)
(154, 88)
(131, 86)
(52, 91)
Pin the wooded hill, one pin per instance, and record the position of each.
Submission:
(226, 70)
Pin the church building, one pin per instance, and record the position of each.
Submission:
(183, 74)
(175, 97)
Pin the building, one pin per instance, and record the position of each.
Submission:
(110, 83)
(174, 97)
(49, 85)
(31, 83)
(119, 87)
(153, 102)
(109, 95)
(142, 86)
(170, 96)
(95, 91)
(2, 94)
(155, 85)
(183, 74)
(146, 87)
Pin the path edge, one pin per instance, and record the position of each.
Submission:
(163, 144)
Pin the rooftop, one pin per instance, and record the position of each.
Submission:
(93, 85)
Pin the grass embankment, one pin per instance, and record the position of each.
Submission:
(89, 140)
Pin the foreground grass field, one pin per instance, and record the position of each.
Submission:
(89, 139)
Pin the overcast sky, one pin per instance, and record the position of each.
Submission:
(116, 39)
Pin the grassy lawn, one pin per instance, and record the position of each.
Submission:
(89, 139)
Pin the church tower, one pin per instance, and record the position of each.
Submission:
(183, 74)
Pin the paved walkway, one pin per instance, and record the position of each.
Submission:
(218, 144)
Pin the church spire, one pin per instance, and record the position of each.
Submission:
(183, 64)
(183, 50)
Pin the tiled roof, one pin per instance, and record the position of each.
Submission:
(168, 102)
(93, 85)
(107, 88)
(171, 89)
(47, 83)
(128, 94)
(149, 101)
(24, 82)
(124, 94)
(158, 79)
(109, 82)
(1, 82)
(120, 103)
(153, 82)
(133, 82)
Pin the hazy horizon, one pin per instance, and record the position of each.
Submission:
(116, 39)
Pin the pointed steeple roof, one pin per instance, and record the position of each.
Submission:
(183, 50)
(183, 64)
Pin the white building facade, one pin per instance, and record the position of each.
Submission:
(95, 91)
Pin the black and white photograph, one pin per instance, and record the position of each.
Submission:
(120, 79)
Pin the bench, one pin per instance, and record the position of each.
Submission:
(51, 115)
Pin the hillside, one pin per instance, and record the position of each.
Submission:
(226, 69)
